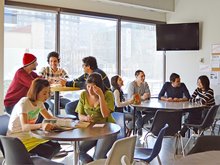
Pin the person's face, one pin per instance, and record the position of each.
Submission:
(85, 68)
(34, 65)
(89, 88)
(199, 84)
(120, 82)
(176, 83)
(44, 94)
(140, 77)
(53, 62)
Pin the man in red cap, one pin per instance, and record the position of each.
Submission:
(21, 82)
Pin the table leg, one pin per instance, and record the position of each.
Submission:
(134, 130)
(56, 103)
(76, 153)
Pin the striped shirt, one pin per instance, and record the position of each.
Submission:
(204, 97)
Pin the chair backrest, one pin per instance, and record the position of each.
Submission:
(125, 161)
(210, 117)
(158, 144)
(4, 124)
(120, 120)
(122, 147)
(206, 143)
(3, 128)
(170, 117)
(15, 151)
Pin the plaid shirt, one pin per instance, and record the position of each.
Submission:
(49, 73)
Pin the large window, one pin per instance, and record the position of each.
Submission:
(138, 51)
(26, 31)
(82, 36)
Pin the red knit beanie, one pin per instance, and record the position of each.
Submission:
(28, 59)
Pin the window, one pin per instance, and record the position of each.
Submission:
(26, 31)
(138, 51)
(82, 36)
(34, 31)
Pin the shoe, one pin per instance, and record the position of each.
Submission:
(140, 132)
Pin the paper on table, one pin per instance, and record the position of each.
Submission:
(99, 125)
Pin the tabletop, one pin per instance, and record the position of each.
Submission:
(63, 88)
(208, 157)
(79, 134)
(155, 103)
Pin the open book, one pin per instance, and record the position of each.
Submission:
(60, 124)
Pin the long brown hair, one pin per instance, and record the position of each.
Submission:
(36, 86)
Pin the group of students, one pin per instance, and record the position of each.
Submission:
(28, 92)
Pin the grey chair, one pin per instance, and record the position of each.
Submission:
(205, 125)
(173, 119)
(15, 153)
(120, 120)
(148, 154)
(4, 124)
(3, 129)
(120, 148)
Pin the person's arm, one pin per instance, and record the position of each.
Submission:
(118, 103)
(64, 74)
(103, 103)
(79, 82)
(80, 109)
(193, 98)
(146, 94)
(186, 92)
(162, 93)
(42, 72)
(26, 126)
(209, 95)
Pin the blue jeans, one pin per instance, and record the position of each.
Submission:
(9, 109)
(63, 102)
(71, 107)
(102, 146)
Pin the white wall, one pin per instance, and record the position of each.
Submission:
(187, 63)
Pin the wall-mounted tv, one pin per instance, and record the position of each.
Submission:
(183, 36)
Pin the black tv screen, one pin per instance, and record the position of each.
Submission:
(184, 36)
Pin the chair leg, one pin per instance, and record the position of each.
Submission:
(187, 142)
(159, 161)
(179, 142)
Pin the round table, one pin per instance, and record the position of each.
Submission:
(202, 158)
(79, 134)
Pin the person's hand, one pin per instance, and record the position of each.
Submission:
(89, 118)
(47, 126)
(176, 100)
(131, 101)
(97, 90)
(62, 82)
(169, 99)
(145, 96)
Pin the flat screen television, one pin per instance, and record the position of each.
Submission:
(183, 36)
